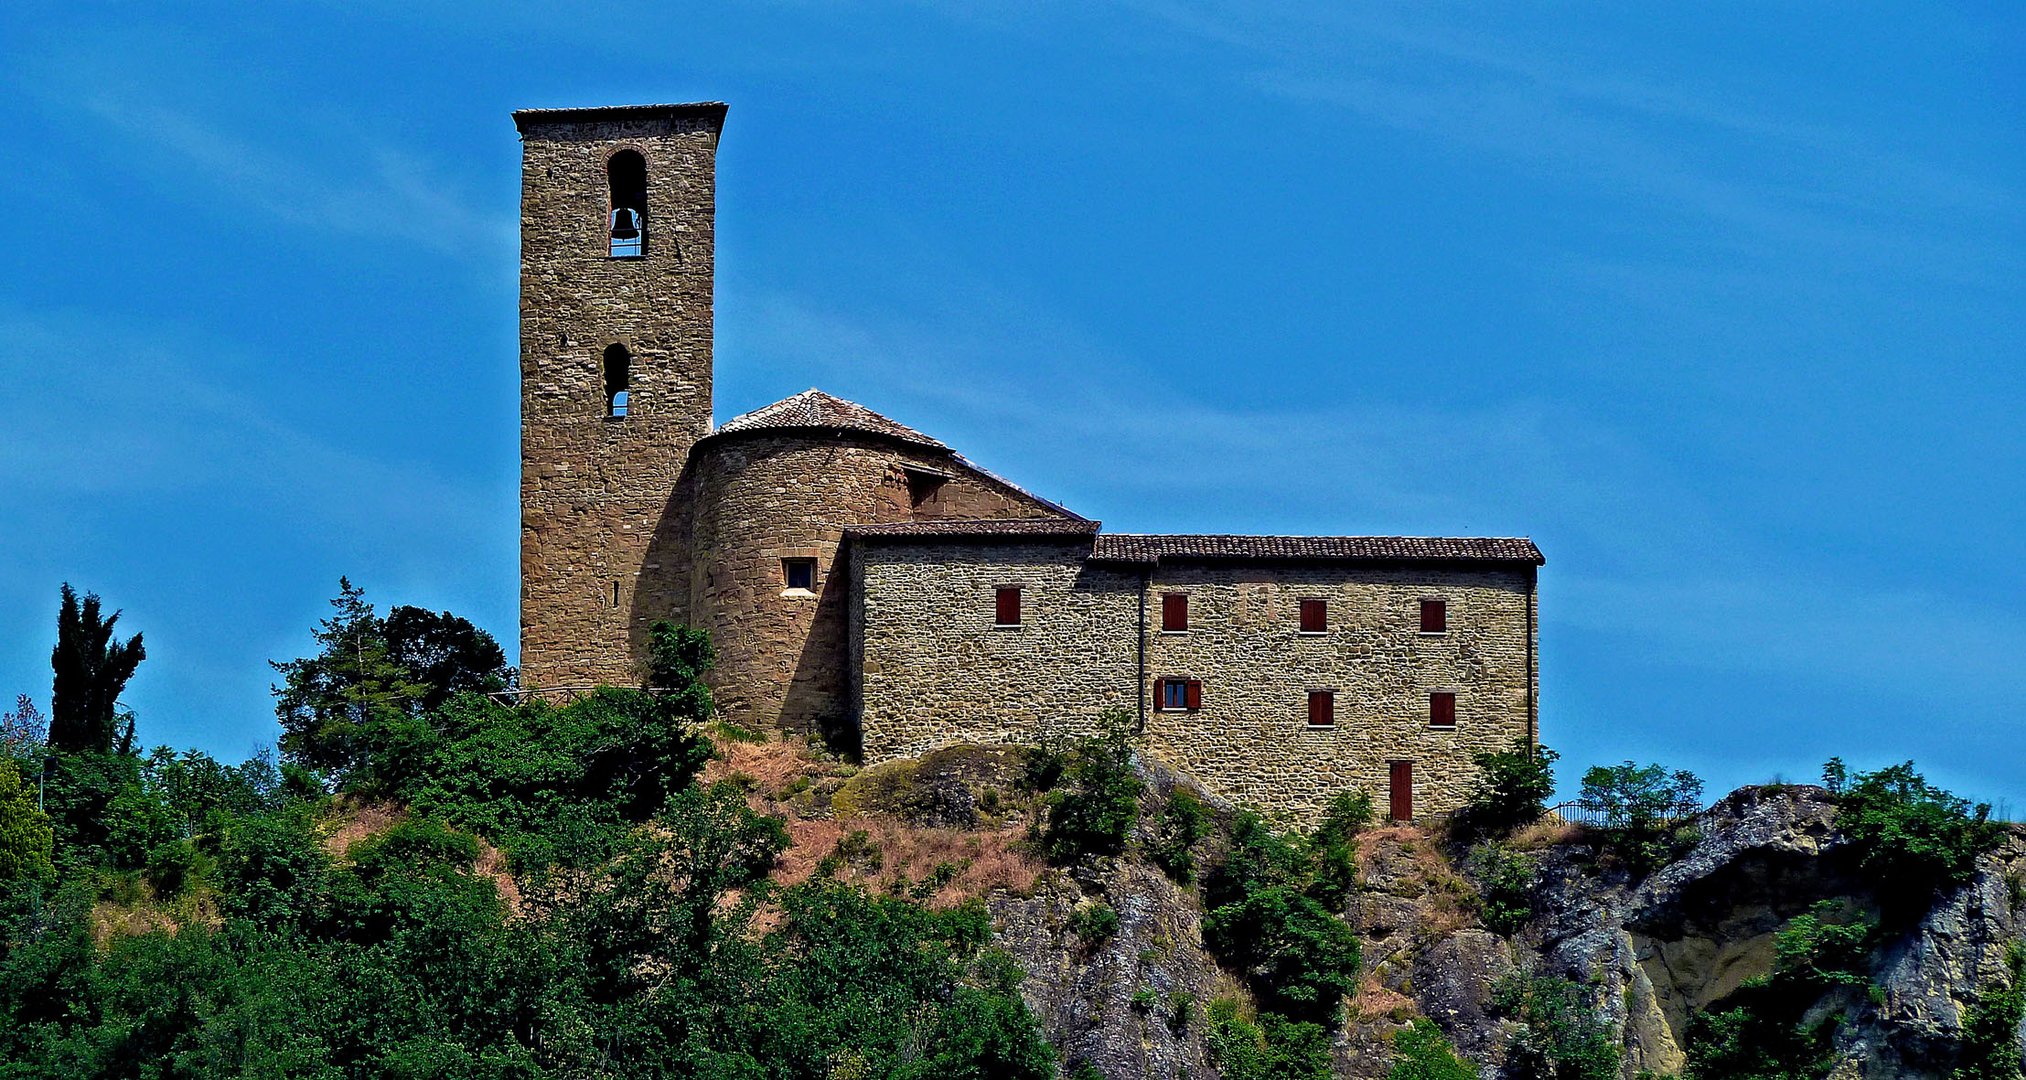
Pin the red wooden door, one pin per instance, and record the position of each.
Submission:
(1403, 791)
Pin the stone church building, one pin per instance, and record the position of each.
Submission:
(864, 581)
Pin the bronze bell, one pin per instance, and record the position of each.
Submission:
(625, 224)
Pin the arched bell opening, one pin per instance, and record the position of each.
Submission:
(626, 174)
(618, 378)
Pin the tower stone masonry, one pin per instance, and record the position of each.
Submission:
(596, 488)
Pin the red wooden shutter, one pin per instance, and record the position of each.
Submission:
(1322, 708)
(1009, 607)
(1442, 709)
(1160, 695)
(1192, 692)
(1175, 611)
(1314, 616)
(1434, 616)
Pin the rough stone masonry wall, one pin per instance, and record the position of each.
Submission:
(935, 671)
(595, 492)
(1251, 741)
(763, 498)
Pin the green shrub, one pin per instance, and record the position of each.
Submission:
(1990, 1042)
(25, 835)
(1094, 922)
(1505, 882)
(1297, 957)
(1096, 799)
(1759, 1032)
(1184, 821)
(1835, 775)
(1911, 837)
(1512, 790)
(1274, 1048)
(1421, 1053)
(1556, 1034)
(1824, 947)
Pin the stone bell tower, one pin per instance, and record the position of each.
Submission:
(618, 207)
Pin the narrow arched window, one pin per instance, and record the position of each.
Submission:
(618, 373)
(626, 172)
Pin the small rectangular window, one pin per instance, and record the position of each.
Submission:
(1174, 612)
(1434, 616)
(1178, 695)
(799, 574)
(1315, 616)
(1007, 612)
(1442, 709)
(1322, 708)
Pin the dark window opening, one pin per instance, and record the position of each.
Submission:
(799, 574)
(618, 377)
(615, 594)
(626, 172)
(1314, 616)
(1434, 616)
(1322, 708)
(1008, 608)
(922, 486)
(1175, 612)
(1442, 709)
(1178, 695)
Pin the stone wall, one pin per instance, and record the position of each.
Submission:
(764, 497)
(597, 520)
(936, 671)
(1251, 741)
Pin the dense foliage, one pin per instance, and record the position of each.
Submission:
(25, 839)
(201, 919)
(92, 667)
(1093, 794)
(1267, 1047)
(1183, 823)
(1273, 903)
(1912, 837)
(1505, 886)
(1421, 1053)
(1555, 1032)
(1991, 1027)
(1763, 1030)
(1645, 810)
(1512, 790)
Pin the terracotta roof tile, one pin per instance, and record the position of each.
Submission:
(990, 527)
(1120, 547)
(816, 409)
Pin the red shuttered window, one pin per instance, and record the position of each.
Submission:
(1442, 709)
(1322, 708)
(1178, 695)
(1315, 616)
(1434, 616)
(1174, 612)
(1008, 611)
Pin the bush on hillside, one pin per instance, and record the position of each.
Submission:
(1911, 837)
(1420, 1052)
(1512, 790)
(1095, 800)
(1183, 823)
(1272, 1048)
(1556, 1033)
(1645, 810)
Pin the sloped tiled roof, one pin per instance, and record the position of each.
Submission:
(1126, 547)
(992, 527)
(816, 409)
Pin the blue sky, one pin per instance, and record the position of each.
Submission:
(1722, 305)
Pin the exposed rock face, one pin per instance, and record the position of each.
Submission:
(1654, 952)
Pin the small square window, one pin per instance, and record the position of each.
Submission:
(1434, 616)
(1315, 616)
(1174, 612)
(1442, 709)
(1178, 695)
(799, 574)
(1007, 609)
(1322, 708)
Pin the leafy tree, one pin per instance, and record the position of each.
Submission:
(1096, 801)
(1421, 1053)
(1761, 1031)
(357, 706)
(1911, 837)
(92, 668)
(1990, 1042)
(1642, 809)
(1512, 789)
(1835, 775)
(25, 838)
(1300, 959)
(23, 731)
